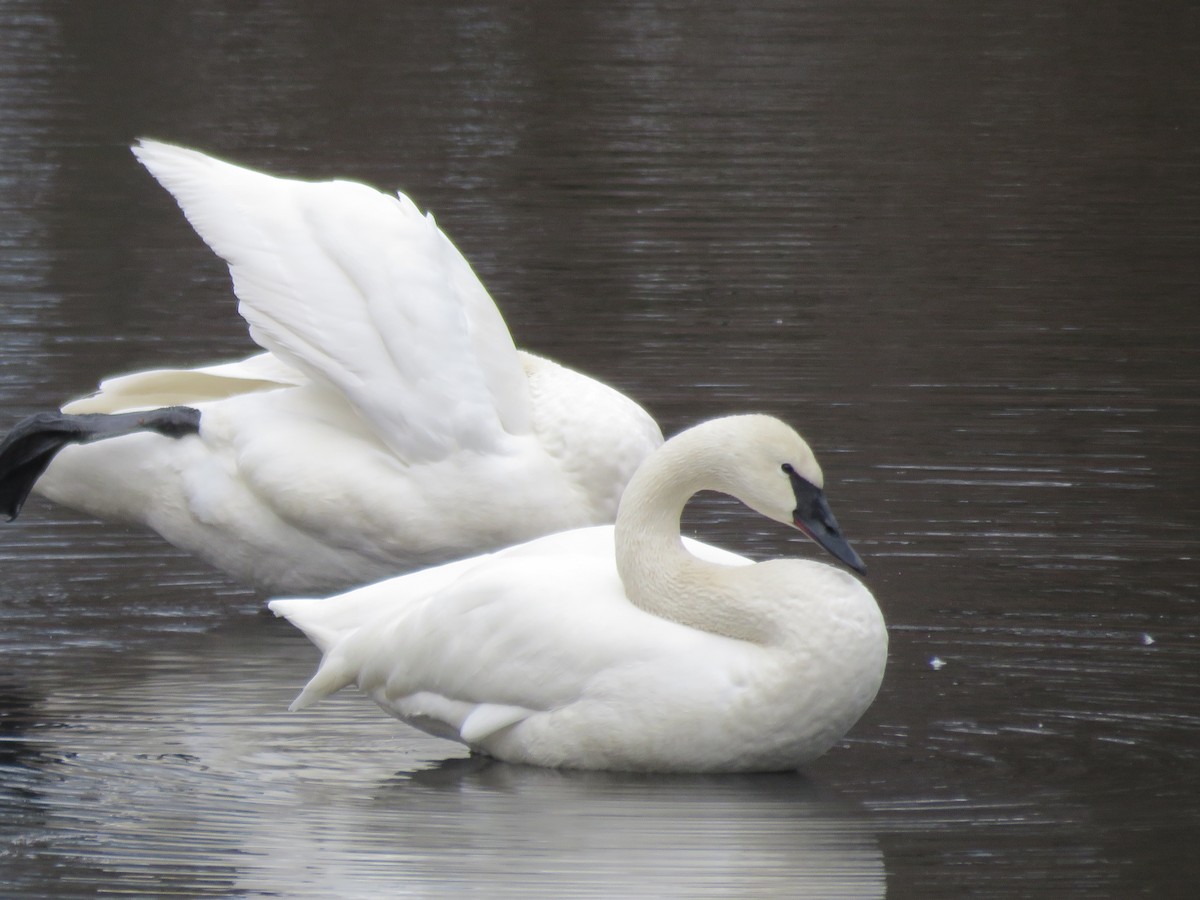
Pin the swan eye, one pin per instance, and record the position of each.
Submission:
(787, 467)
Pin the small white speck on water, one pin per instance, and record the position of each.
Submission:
(936, 662)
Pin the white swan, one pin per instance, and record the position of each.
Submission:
(390, 425)
(626, 647)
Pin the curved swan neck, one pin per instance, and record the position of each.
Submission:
(659, 574)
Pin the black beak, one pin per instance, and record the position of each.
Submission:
(814, 517)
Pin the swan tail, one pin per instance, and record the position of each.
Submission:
(335, 672)
(30, 447)
(328, 680)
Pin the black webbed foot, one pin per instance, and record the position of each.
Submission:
(33, 443)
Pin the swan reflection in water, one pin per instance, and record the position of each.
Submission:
(183, 769)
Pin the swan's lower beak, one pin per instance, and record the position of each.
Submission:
(814, 517)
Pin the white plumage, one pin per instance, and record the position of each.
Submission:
(390, 424)
(627, 647)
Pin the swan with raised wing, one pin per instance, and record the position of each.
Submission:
(628, 647)
(391, 423)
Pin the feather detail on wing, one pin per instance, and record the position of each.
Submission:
(155, 388)
(468, 644)
(358, 290)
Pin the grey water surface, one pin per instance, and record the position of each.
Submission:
(957, 244)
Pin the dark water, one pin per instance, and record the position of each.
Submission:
(957, 244)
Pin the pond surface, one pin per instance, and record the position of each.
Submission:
(957, 245)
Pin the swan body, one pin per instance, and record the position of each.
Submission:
(390, 424)
(627, 647)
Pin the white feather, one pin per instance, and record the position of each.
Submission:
(390, 425)
(625, 647)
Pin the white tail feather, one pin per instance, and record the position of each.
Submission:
(313, 618)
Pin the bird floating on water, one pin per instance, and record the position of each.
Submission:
(628, 647)
(390, 424)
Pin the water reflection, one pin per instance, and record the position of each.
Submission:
(181, 769)
(956, 243)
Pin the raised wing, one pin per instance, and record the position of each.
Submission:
(361, 292)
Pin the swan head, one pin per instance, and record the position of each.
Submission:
(775, 473)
